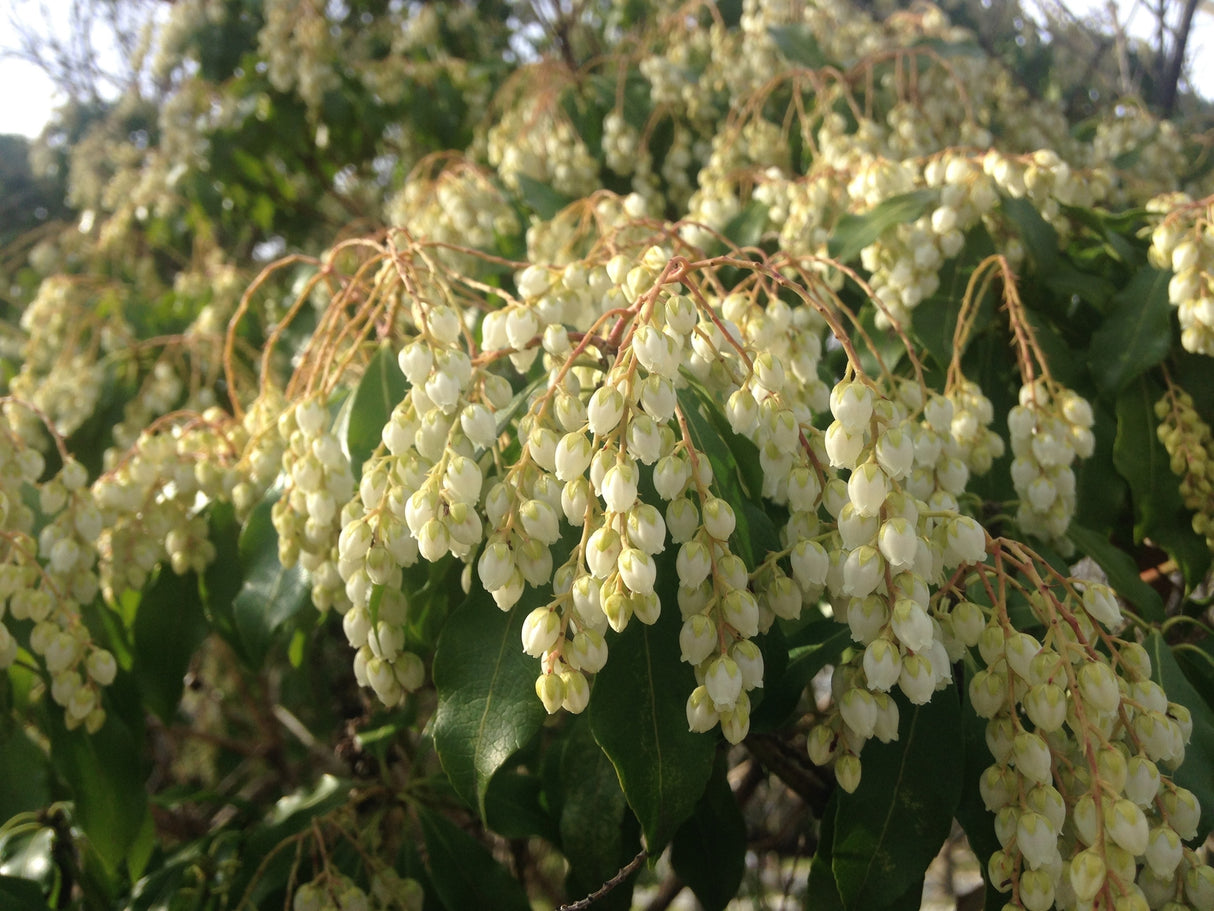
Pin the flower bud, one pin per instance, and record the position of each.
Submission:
(723, 679)
(1032, 757)
(551, 690)
(735, 724)
(810, 564)
(867, 488)
(862, 571)
(1087, 874)
(912, 625)
(851, 404)
(541, 629)
(697, 639)
(847, 772)
(1098, 686)
(101, 666)
(718, 518)
(1142, 780)
(604, 410)
(882, 664)
(701, 715)
(1037, 839)
(637, 570)
(1164, 851)
(577, 692)
(619, 488)
(859, 711)
(740, 610)
(988, 692)
(918, 679)
(822, 744)
(1101, 605)
(1046, 705)
(1036, 890)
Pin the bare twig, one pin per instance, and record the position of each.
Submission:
(625, 871)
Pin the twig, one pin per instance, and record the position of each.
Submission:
(625, 871)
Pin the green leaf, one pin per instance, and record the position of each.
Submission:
(821, 891)
(1159, 513)
(971, 812)
(1121, 570)
(487, 707)
(697, 406)
(378, 392)
(514, 807)
(639, 717)
(24, 772)
(709, 849)
(221, 582)
(593, 835)
(889, 831)
(799, 45)
(463, 872)
(105, 773)
(1040, 238)
(746, 228)
(1194, 772)
(828, 639)
(540, 198)
(1136, 334)
(21, 895)
(290, 814)
(855, 232)
(270, 594)
(169, 625)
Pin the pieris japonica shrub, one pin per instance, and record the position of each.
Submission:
(782, 396)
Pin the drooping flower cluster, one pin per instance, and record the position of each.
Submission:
(1190, 447)
(1049, 429)
(1084, 809)
(1183, 242)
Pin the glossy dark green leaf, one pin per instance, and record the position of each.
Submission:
(106, 775)
(1121, 570)
(1136, 333)
(594, 838)
(463, 872)
(1195, 772)
(378, 392)
(487, 707)
(855, 232)
(21, 895)
(889, 831)
(1141, 459)
(514, 807)
(639, 717)
(828, 639)
(799, 45)
(270, 594)
(709, 849)
(169, 625)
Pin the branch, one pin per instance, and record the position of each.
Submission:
(1170, 79)
(625, 871)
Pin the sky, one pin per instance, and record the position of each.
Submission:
(27, 96)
